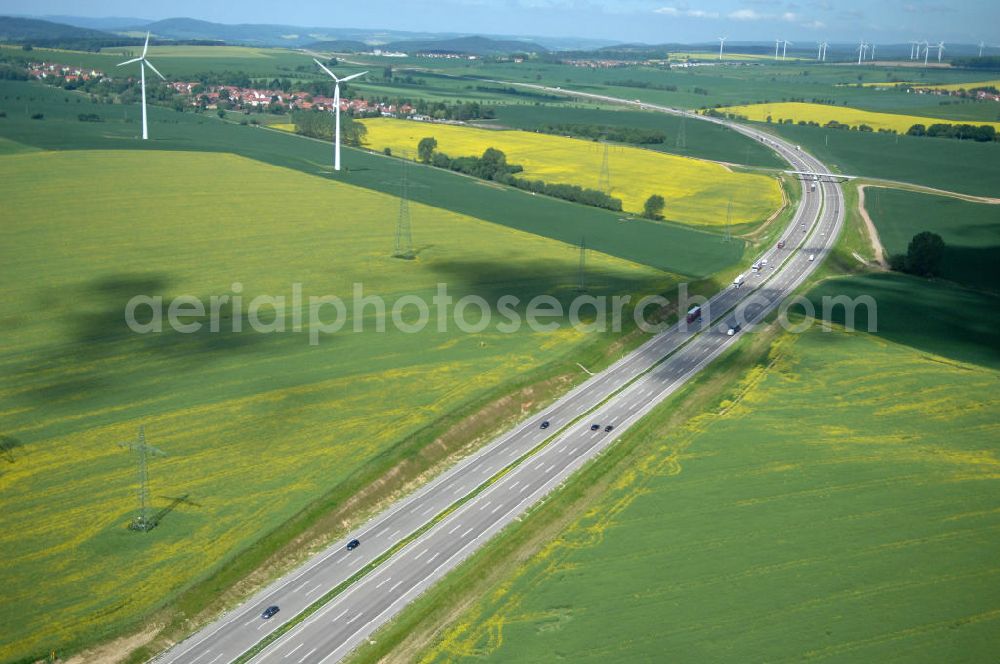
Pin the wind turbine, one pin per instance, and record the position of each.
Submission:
(336, 109)
(914, 45)
(873, 53)
(819, 51)
(143, 63)
(722, 41)
(777, 44)
(926, 51)
(861, 50)
(981, 45)
(940, 48)
(785, 49)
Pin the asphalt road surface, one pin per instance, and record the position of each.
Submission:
(617, 397)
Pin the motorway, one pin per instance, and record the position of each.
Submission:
(441, 524)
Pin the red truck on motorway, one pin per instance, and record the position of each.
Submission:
(694, 313)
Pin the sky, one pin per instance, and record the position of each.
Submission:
(650, 21)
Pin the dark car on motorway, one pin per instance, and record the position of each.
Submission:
(781, 245)
(353, 544)
(609, 428)
(595, 427)
(268, 612)
(545, 424)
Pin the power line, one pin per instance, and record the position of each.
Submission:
(681, 142)
(581, 276)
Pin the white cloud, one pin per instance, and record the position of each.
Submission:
(814, 25)
(745, 15)
(791, 17)
(683, 11)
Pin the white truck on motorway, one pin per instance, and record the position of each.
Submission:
(738, 281)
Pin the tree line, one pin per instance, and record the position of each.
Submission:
(632, 135)
(493, 165)
(319, 124)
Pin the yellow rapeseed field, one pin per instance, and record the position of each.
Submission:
(696, 192)
(823, 113)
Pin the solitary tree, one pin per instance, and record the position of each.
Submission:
(425, 148)
(923, 256)
(653, 209)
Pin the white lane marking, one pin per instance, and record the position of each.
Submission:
(393, 536)
(306, 656)
(431, 559)
(449, 486)
(561, 448)
(572, 452)
(486, 470)
(356, 616)
(340, 615)
(395, 585)
(523, 488)
(217, 658)
(300, 586)
(550, 468)
(419, 555)
(290, 652)
(539, 466)
(515, 484)
(382, 583)
(249, 622)
(428, 510)
(466, 533)
(457, 491)
(200, 656)
(513, 452)
(382, 532)
(452, 531)
(341, 559)
(494, 511)
(485, 505)
(315, 588)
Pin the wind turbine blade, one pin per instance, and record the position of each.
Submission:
(128, 62)
(323, 67)
(147, 62)
(146, 47)
(347, 78)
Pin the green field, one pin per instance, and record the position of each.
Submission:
(812, 515)
(963, 166)
(256, 426)
(971, 232)
(670, 247)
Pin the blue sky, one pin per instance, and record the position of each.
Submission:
(967, 21)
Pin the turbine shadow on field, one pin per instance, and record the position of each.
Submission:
(491, 280)
(99, 339)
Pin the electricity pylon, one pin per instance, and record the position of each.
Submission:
(404, 239)
(604, 180)
(142, 521)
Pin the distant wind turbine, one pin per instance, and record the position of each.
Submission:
(926, 51)
(873, 53)
(143, 63)
(940, 48)
(861, 50)
(777, 45)
(785, 49)
(336, 109)
(981, 45)
(722, 41)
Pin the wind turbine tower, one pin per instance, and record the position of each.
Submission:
(940, 48)
(143, 63)
(926, 51)
(861, 51)
(785, 49)
(777, 44)
(722, 42)
(981, 45)
(336, 109)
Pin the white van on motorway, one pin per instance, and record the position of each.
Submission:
(812, 257)
(738, 281)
